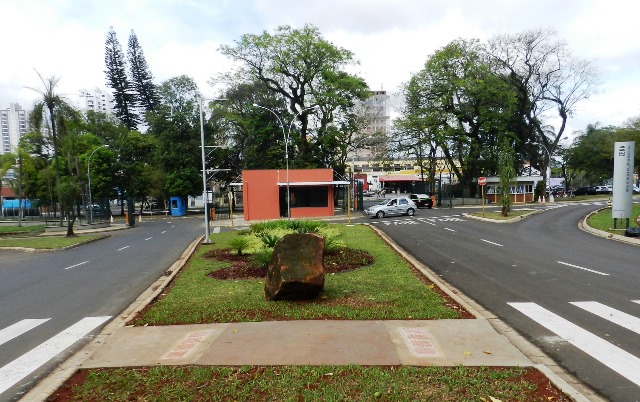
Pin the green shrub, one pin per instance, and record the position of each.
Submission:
(269, 239)
(262, 258)
(307, 226)
(239, 243)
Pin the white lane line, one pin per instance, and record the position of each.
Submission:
(77, 265)
(163, 232)
(490, 242)
(36, 357)
(616, 359)
(583, 268)
(636, 301)
(615, 316)
(122, 248)
(19, 328)
(216, 229)
(451, 230)
(148, 238)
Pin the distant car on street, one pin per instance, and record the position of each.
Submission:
(603, 190)
(588, 190)
(393, 206)
(422, 200)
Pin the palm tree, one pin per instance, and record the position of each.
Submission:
(51, 104)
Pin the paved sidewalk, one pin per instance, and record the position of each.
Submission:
(469, 342)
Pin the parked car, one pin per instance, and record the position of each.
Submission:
(369, 193)
(588, 190)
(394, 206)
(422, 200)
(636, 189)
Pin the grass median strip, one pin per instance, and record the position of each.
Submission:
(387, 289)
(48, 242)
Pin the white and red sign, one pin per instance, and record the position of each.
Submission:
(482, 181)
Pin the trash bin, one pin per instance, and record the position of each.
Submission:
(177, 206)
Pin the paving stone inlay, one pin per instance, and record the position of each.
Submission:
(419, 342)
(190, 341)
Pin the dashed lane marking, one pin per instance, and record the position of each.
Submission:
(77, 265)
(490, 242)
(122, 248)
(582, 268)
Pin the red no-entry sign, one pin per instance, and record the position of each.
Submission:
(482, 181)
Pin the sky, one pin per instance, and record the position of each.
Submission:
(391, 40)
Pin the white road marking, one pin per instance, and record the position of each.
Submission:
(490, 242)
(122, 248)
(163, 232)
(583, 268)
(36, 357)
(77, 265)
(148, 238)
(615, 316)
(451, 230)
(636, 301)
(615, 358)
(19, 328)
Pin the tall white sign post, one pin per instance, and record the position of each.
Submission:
(623, 154)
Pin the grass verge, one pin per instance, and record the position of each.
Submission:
(310, 383)
(498, 215)
(29, 230)
(387, 290)
(47, 243)
(602, 220)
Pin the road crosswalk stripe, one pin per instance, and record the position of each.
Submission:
(615, 358)
(615, 316)
(36, 357)
(19, 328)
(636, 301)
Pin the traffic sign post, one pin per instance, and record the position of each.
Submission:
(481, 182)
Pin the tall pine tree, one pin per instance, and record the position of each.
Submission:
(123, 91)
(141, 77)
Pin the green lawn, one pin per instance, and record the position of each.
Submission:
(47, 242)
(602, 220)
(388, 289)
(21, 230)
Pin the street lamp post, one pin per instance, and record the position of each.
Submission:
(204, 173)
(286, 148)
(89, 180)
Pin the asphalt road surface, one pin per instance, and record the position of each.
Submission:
(51, 304)
(575, 295)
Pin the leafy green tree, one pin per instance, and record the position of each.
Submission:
(69, 192)
(507, 173)
(304, 70)
(549, 83)
(123, 90)
(460, 105)
(141, 77)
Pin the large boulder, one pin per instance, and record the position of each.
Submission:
(296, 270)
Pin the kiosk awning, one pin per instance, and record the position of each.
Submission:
(314, 183)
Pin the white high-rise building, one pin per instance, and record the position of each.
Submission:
(96, 100)
(13, 125)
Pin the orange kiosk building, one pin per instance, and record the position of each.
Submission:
(311, 193)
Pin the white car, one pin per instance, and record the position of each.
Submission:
(393, 206)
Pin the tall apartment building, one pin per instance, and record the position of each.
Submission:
(96, 100)
(376, 127)
(13, 125)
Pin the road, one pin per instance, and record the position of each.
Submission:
(52, 303)
(575, 295)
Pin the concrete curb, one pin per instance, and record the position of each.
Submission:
(583, 225)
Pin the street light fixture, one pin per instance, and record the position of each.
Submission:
(286, 147)
(204, 172)
(89, 180)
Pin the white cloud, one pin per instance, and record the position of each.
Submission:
(391, 39)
